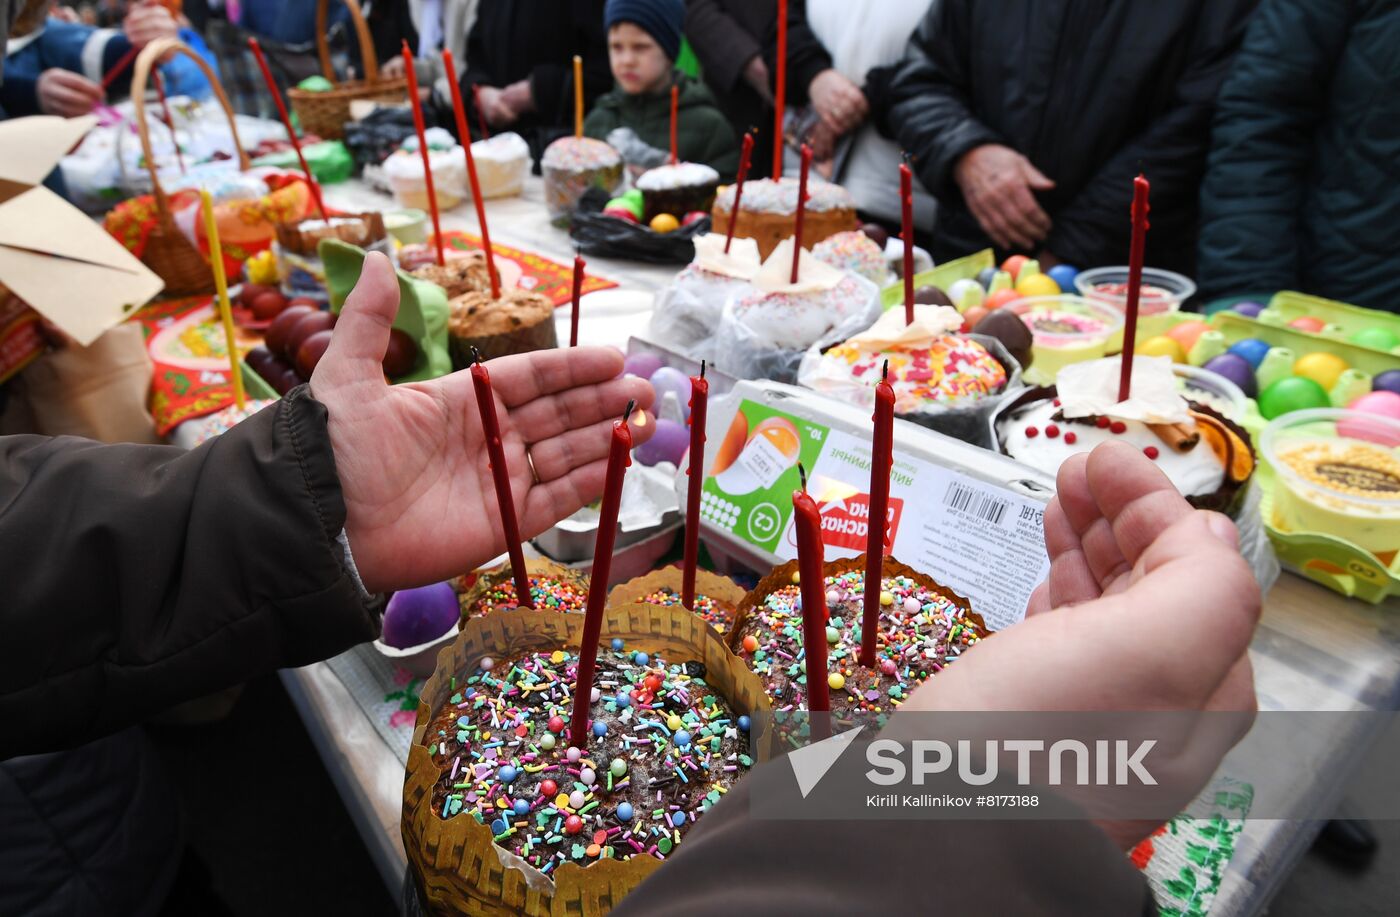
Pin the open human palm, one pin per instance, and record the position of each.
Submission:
(420, 504)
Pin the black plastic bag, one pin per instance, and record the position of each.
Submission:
(374, 139)
(613, 237)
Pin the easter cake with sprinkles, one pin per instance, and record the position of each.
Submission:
(717, 597)
(553, 587)
(504, 812)
(923, 628)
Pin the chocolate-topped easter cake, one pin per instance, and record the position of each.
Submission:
(717, 597)
(552, 588)
(923, 627)
(663, 748)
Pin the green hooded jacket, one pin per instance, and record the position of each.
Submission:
(703, 134)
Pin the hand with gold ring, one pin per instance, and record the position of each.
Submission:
(420, 505)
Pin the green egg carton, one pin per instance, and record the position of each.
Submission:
(255, 386)
(1326, 559)
(1346, 318)
(1237, 327)
(942, 276)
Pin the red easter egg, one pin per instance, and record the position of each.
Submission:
(1186, 333)
(1000, 298)
(1013, 265)
(1308, 323)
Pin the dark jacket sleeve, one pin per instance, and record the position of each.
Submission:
(1172, 152)
(721, 43)
(552, 83)
(807, 56)
(136, 577)
(927, 96)
(735, 863)
(1262, 145)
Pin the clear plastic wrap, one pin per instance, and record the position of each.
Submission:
(687, 312)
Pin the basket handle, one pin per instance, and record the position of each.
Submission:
(323, 48)
(144, 63)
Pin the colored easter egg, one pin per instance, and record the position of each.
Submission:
(1376, 338)
(1386, 404)
(664, 223)
(986, 276)
(1388, 381)
(416, 616)
(1307, 323)
(1235, 368)
(1321, 367)
(974, 315)
(667, 444)
(1162, 346)
(1248, 308)
(1252, 349)
(966, 293)
(1037, 285)
(1063, 274)
(1294, 393)
(1014, 264)
(1000, 298)
(641, 365)
(666, 379)
(1186, 333)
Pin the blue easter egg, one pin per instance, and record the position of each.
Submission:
(1063, 274)
(985, 276)
(1252, 349)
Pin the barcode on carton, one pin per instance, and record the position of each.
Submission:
(976, 502)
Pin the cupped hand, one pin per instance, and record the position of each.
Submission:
(420, 505)
(840, 102)
(67, 94)
(997, 182)
(147, 22)
(1149, 606)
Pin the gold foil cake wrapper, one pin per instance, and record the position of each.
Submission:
(455, 862)
(722, 589)
(540, 567)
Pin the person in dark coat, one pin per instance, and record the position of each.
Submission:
(520, 52)
(730, 38)
(1300, 188)
(1028, 119)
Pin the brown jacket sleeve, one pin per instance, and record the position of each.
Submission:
(135, 577)
(723, 46)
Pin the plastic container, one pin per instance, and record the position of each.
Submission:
(1065, 329)
(1212, 390)
(1163, 292)
(408, 226)
(1337, 472)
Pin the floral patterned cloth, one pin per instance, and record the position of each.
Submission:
(1185, 859)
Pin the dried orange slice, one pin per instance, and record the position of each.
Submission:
(1232, 451)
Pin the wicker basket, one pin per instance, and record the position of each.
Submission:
(169, 253)
(325, 113)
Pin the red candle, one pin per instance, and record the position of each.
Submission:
(423, 147)
(906, 201)
(881, 461)
(170, 122)
(1139, 214)
(779, 91)
(801, 209)
(675, 111)
(578, 293)
(476, 101)
(619, 457)
(287, 123)
(460, 111)
(699, 404)
(807, 521)
(745, 155)
(500, 475)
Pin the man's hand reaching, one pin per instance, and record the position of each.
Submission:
(412, 459)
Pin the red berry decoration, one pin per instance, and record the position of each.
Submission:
(1101, 423)
(573, 824)
(1032, 432)
(653, 683)
(1117, 426)
(548, 788)
(1071, 438)
(1150, 452)
(556, 723)
(1052, 431)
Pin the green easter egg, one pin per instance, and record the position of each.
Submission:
(316, 84)
(1376, 338)
(634, 195)
(1295, 393)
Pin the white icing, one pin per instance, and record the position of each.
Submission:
(681, 175)
(790, 321)
(1195, 473)
(767, 196)
(579, 153)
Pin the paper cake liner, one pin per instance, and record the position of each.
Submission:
(711, 585)
(1228, 498)
(781, 576)
(534, 566)
(455, 862)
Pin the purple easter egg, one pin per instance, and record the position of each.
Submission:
(667, 444)
(641, 365)
(416, 616)
(666, 380)
(1388, 381)
(1249, 308)
(1235, 368)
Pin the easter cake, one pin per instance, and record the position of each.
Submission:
(518, 322)
(717, 597)
(677, 189)
(572, 165)
(553, 587)
(768, 212)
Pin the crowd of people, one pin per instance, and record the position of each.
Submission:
(1264, 126)
(1257, 121)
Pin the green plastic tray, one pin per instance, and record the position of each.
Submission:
(1348, 318)
(942, 276)
(1237, 327)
